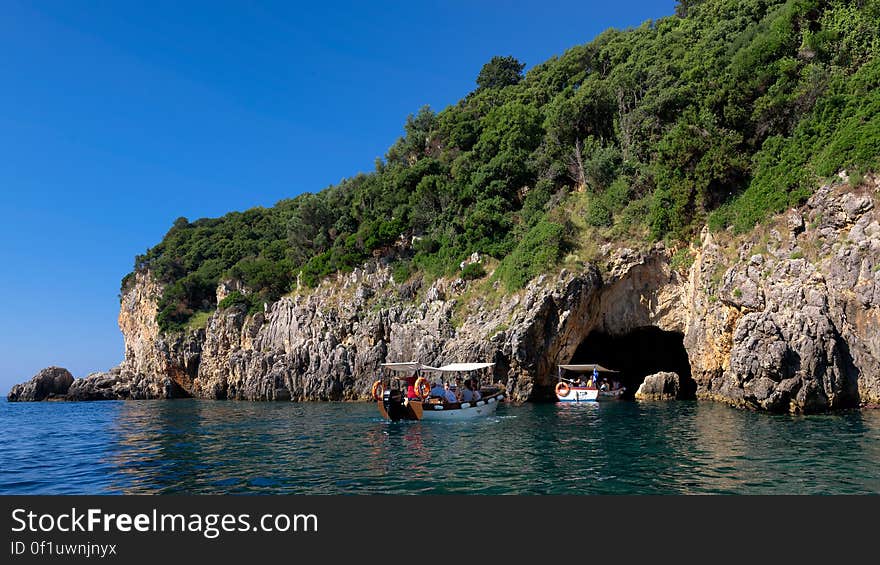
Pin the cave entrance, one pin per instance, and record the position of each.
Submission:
(637, 354)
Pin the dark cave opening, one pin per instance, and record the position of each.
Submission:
(637, 354)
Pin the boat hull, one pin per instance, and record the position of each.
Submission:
(579, 394)
(467, 411)
(418, 410)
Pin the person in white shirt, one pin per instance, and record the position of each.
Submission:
(451, 395)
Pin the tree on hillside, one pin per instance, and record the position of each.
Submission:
(684, 7)
(500, 72)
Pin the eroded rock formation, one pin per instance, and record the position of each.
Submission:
(792, 324)
(50, 383)
(664, 385)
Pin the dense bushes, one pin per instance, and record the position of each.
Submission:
(841, 132)
(251, 302)
(728, 111)
(473, 271)
(540, 248)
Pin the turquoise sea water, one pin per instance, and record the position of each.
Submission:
(192, 446)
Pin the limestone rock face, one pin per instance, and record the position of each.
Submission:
(49, 384)
(329, 344)
(794, 324)
(664, 385)
(156, 365)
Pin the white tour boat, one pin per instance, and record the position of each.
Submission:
(397, 401)
(584, 390)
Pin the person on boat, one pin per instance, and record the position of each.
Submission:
(437, 391)
(467, 395)
(475, 385)
(451, 394)
(411, 386)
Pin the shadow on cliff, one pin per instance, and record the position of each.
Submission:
(637, 354)
(850, 396)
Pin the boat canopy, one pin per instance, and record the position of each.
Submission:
(456, 367)
(451, 368)
(588, 368)
(408, 366)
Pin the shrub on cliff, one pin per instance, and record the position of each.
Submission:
(540, 248)
(473, 271)
(236, 299)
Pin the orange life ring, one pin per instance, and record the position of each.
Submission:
(423, 387)
(562, 389)
(378, 390)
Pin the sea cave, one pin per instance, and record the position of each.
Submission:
(637, 354)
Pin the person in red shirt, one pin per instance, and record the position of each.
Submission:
(411, 387)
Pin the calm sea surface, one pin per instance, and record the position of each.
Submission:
(192, 446)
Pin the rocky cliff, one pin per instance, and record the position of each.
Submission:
(783, 319)
(788, 320)
(329, 344)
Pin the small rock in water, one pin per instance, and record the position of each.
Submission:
(664, 385)
(51, 382)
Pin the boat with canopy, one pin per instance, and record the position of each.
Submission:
(403, 391)
(585, 390)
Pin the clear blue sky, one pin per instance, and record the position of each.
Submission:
(118, 117)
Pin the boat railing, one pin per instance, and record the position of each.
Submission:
(576, 382)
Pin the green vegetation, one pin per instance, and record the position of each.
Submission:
(473, 271)
(198, 321)
(251, 302)
(402, 271)
(682, 259)
(726, 112)
(500, 72)
(541, 248)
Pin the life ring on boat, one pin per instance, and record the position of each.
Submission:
(378, 390)
(423, 387)
(562, 389)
